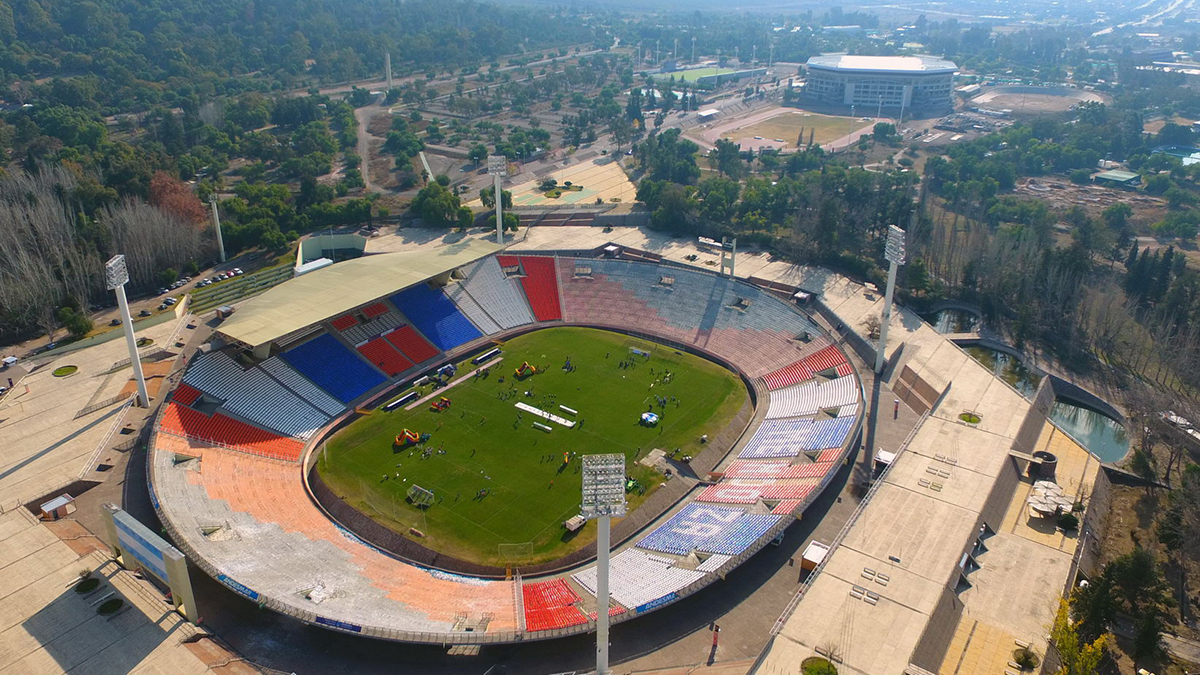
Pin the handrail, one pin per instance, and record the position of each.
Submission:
(845, 531)
(118, 421)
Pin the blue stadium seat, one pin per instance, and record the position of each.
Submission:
(436, 316)
(333, 368)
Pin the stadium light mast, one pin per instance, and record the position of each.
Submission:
(496, 166)
(693, 49)
(116, 275)
(603, 498)
(216, 221)
(895, 257)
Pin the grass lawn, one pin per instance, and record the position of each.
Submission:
(530, 492)
(787, 126)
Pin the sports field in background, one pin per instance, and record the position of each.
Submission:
(788, 126)
(478, 442)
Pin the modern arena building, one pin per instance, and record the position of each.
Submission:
(232, 459)
(907, 82)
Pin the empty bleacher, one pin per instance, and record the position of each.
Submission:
(637, 577)
(812, 397)
(435, 316)
(254, 395)
(219, 429)
(735, 539)
(333, 367)
(278, 369)
(541, 285)
(343, 322)
(691, 527)
(550, 605)
(497, 294)
(788, 438)
(410, 343)
(186, 394)
(474, 311)
(385, 357)
(380, 320)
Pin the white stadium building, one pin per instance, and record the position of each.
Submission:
(894, 81)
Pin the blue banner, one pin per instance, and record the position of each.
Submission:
(240, 588)
(655, 604)
(340, 625)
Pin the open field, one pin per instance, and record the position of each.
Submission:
(1035, 100)
(606, 182)
(784, 124)
(691, 75)
(480, 442)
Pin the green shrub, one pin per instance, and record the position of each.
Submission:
(816, 665)
(87, 585)
(1068, 522)
(109, 606)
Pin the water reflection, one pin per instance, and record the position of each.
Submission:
(1008, 368)
(953, 321)
(1099, 433)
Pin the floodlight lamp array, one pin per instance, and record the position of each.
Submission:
(895, 249)
(116, 274)
(603, 485)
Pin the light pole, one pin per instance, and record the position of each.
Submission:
(693, 49)
(496, 166)
(116, 275)
(216, 220)
(657, 59)
(895, 257)
(603, 498)
(675, 52)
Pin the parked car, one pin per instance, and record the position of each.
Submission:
(170, 301)
(145, 312)
(163, 290)
(115, 322)
(163, 306)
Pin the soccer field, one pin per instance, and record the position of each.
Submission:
(481, 443)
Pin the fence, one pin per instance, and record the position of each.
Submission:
(118, 421)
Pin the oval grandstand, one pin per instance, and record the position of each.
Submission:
(232, 450)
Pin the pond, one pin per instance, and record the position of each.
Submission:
(1099, 433)
(952, 321)
(1008, 368)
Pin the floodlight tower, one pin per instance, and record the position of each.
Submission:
(116, 274)
(496, 166)
(387, 69)
(603, 498)
(693, 49)
(216, 221)
(895, 257)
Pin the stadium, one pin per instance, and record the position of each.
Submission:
(907, 82)
(272, 464)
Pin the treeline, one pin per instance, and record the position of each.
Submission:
(143, 53)
(810, 206)
(52, 254)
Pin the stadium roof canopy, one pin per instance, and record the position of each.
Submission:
(882, 64)
(339, 288)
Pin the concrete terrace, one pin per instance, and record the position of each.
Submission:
(46, 627)
(45, 445)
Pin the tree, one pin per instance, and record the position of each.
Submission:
(883, 131)
(477, 153)
(76, 323)
(436, 204)
(1117, 215)
(488, 197)
(726, 158)
(1078, 655)
(176, 198)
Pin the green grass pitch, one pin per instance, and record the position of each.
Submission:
(486, 447)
